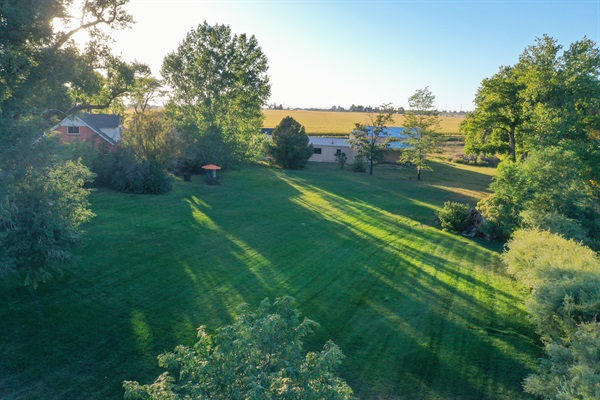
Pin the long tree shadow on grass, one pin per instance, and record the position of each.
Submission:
(352, 263)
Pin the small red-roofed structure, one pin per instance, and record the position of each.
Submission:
(211, 174)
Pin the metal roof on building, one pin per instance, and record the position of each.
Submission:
(334, 142)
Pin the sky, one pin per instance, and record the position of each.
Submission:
(326, 53)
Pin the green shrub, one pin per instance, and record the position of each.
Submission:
(558, 306)
(359, 164)
(571, 371)
(147, 177)
(455, 217)
(341, 157)
(555, 223)
(535, 256)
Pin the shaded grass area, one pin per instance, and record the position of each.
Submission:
(419, 313)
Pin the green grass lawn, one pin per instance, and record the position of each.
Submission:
(419, 313)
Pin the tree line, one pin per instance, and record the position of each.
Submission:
(542, 116)
(218, 84)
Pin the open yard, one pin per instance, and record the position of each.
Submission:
(341, 123)
(419, 313)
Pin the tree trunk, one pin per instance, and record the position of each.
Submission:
(418, 173)
(371, 166)
(512, 145)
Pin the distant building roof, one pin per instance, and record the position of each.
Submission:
(396, 134)
(335, 142)
(105, 125)
(101, 120)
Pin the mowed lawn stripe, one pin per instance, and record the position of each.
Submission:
(419, 313)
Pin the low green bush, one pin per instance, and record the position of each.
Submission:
(147, 177)
(359, 164)
(455, 217)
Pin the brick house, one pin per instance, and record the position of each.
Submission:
(98, 129)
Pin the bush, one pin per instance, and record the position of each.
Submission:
(259, 356)
(481, 160)
(535, 256)
(359, 164)
(571, 371)
(555, 223)
(40, 217)
(147, 177)
(455, 217)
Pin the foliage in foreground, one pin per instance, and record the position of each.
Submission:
(39, 220)
(259, 356)
(564, 303)
(548, 186)
(570, 371)
(290, 146)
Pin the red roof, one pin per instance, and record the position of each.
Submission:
(211, 167)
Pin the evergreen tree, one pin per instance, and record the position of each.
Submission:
(290, 147)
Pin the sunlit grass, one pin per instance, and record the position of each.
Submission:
(419, 313)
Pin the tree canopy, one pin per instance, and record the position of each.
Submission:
(259, 356)
(421, 124)
(548, 96)
(371, 140)
(543, 115)
(290, 146)
(219, 83)
(45, 76)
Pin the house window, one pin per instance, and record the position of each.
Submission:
(73, 130)
(317, 150)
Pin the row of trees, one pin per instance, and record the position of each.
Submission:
(218, 84)
(542, 115)
(421, 125)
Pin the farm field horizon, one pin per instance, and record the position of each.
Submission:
(342, 123)
(419, 313)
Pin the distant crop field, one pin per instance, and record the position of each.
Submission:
(341, 123)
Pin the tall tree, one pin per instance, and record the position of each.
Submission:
(421, 124)
(149, 134)
(372, 140)
(259, 356)
(45, 76)
(493, 127)
(562, 90)
(219, 84)
(549, 96)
